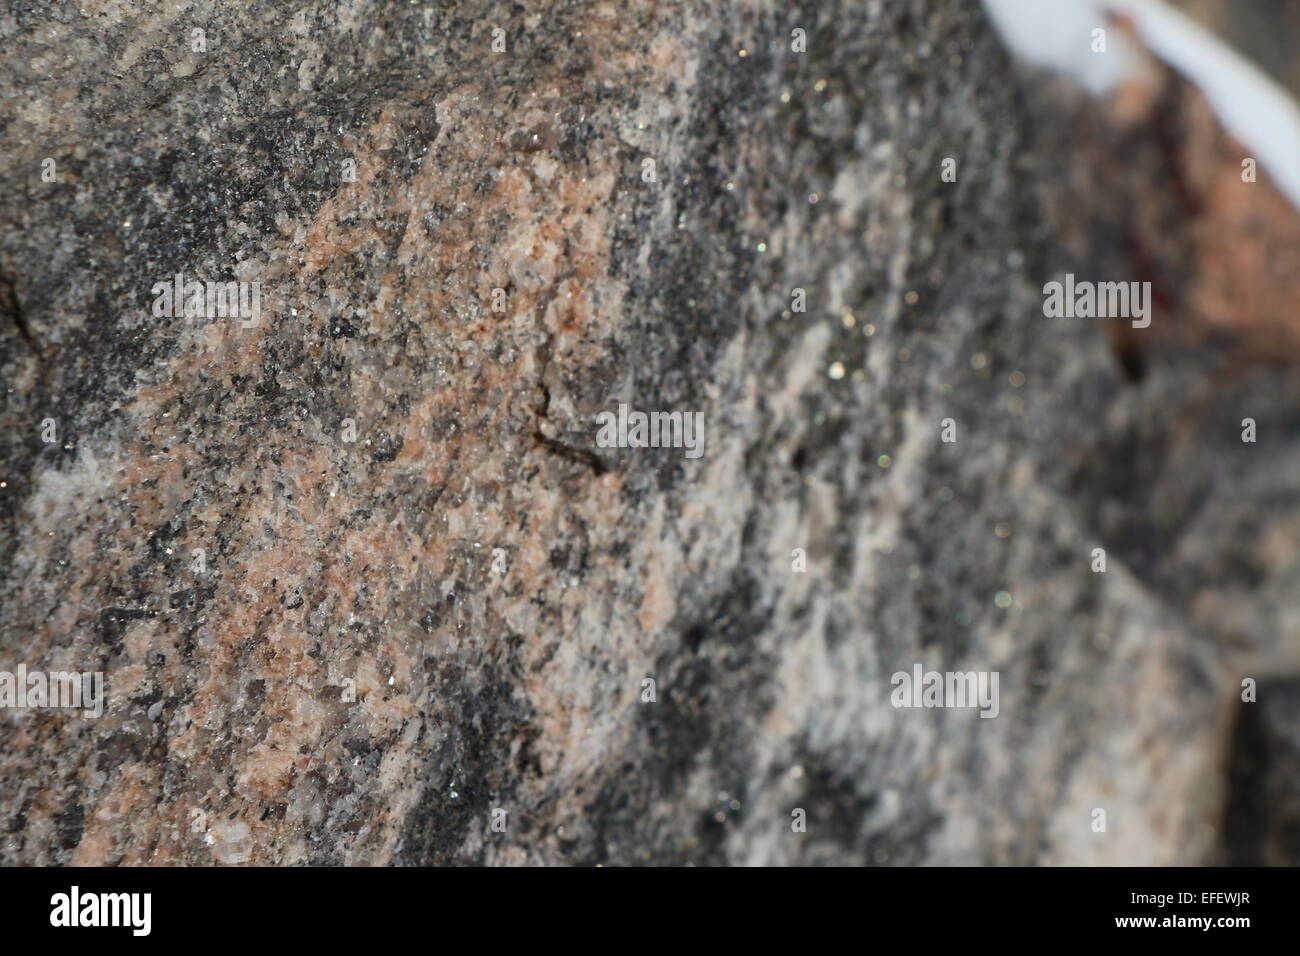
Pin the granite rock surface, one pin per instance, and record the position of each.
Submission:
(425, 593)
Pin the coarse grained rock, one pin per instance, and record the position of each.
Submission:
(230, 735)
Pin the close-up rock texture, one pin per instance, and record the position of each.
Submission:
(359, 576)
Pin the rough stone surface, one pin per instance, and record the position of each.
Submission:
(229, 736)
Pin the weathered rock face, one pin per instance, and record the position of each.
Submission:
(387, 639)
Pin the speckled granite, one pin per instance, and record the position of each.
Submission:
(512, 679)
